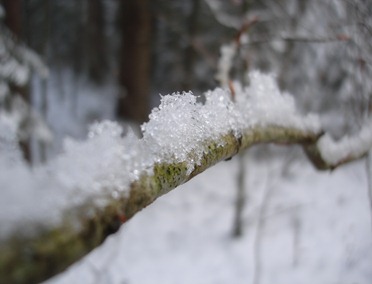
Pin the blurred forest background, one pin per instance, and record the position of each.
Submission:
(65, 64)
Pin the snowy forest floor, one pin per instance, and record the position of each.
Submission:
(300, 226)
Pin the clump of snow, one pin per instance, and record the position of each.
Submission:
(174, 128)
(92, 171)
(25, 120)
(104, 162)
(16, 66)
(262, 103)
(17, 60)
(225, 62)
(9, 152)
(17, 182)
(13, 70)
(348, 147)
(180, 126)
(221, 114)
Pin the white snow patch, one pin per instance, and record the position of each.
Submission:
(225, 63)
(175, 129)
(105, 162)
(179, 128)
(262, 103)
(348, 147)
(90, 171)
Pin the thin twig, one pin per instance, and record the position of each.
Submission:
(369, 181)
(301, 39)
(257, 244)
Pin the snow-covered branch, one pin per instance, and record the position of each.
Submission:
(17, 63)
(329, 154)
(53, 215)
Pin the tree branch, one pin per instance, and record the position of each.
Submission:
(31, 259)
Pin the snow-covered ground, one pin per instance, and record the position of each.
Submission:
(314, 227)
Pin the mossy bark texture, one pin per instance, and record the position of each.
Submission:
(49, 251)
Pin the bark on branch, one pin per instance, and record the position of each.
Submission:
(31, 259)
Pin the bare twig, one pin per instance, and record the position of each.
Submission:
(257, 245)
(240, 196)
(369, 181)
(300, 39)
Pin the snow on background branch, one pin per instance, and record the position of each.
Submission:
(17, 62)
(335, 152)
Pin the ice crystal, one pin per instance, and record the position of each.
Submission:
(175, 128)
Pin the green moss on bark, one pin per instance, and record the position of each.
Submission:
(35, 258)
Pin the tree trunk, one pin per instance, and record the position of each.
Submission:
(135, 60)
(13, 16)
(96, 50)
(190, 54)
(240, 196)
(44, 82)
(13, 20)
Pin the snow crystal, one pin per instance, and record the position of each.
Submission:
(179, 128)
(175, 129)
(221, 114)
(336, 151)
